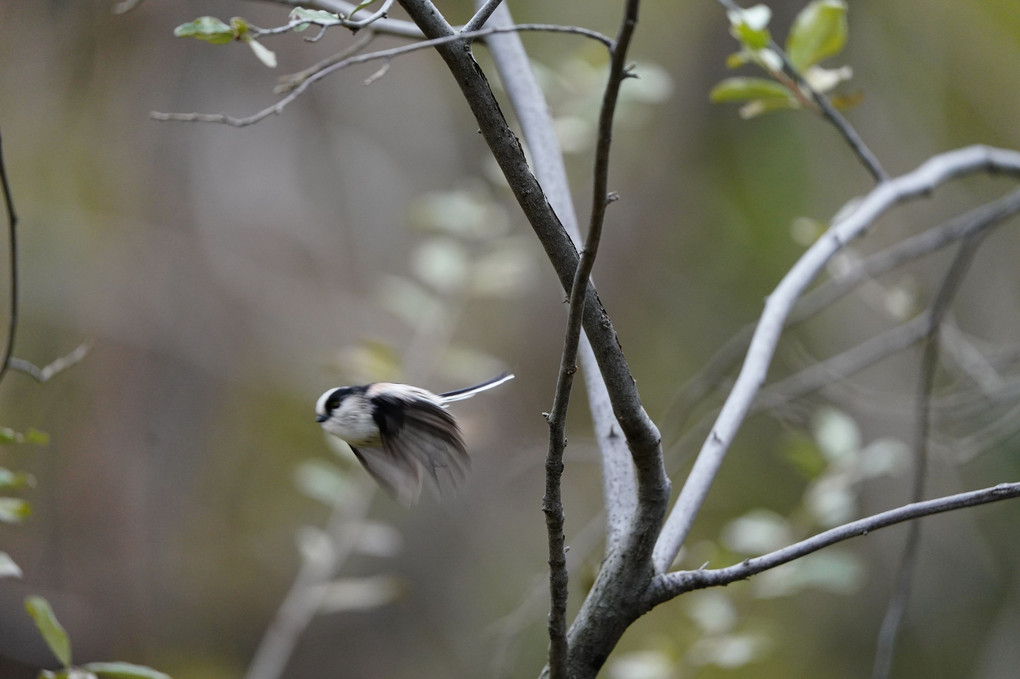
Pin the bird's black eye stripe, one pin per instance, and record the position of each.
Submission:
(338, 396)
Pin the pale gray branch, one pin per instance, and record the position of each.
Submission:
(669, 585)
(924, 179)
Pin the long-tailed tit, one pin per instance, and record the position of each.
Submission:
(398, 432)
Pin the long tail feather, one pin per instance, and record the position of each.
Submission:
(468, 392)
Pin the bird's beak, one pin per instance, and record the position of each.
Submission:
(321, 418)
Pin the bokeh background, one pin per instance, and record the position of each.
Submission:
(224, 277)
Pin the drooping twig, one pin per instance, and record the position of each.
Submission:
(929, 363)
(670, 585)
(921, 181)
(277, 108)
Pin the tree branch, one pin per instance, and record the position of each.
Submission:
(528, 101)
(12, 263)
(669, 585)
(298, 90)
(975, 221)
(929, 363)
(553, 505)
(921, 181)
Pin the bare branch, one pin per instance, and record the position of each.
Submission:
(975, 221)
(929, 363)
(669, 585)
(619, 483)
(54, 368)
(921, 181)
(553, 505)
(485, 10)
(277, 108)
(289, 82)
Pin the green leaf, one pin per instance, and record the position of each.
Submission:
(209, 29)
(124, 670)
(239, 27)
(743, 89)
(319, 17)
(264, 54)
(750, 26)
(52, 631)
(8, 569)
(819, 31)
(15, 480)
(14, 510)
(759, 107)
(363, 5)
(36, 437)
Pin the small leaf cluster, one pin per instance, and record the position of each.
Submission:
(15, 509)
(819, 32)
(216, 32)
(60, 645)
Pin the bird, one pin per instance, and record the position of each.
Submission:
(399, 432)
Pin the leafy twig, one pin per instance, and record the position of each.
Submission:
(278, 107)
(800, 86)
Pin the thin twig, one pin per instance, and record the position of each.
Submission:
(670, 585)
(277, 108)
(532, 111)
(12, 262)
(289, 82)
(779, 304)
(889, 629)
(553, 505)
(481, 16)
(52, 369)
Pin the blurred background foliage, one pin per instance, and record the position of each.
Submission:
(226, 277)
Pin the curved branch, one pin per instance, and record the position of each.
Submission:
(921, 181)
(297, 91)
(670, 585)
